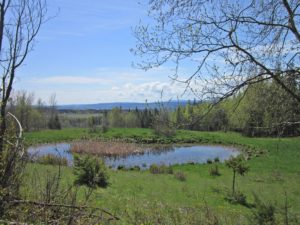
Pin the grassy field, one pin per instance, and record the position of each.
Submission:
(139, 135)
(273, 176)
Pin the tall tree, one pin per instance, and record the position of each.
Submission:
(20, 22)
(230, 44)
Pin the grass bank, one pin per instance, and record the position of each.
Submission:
(137, 135)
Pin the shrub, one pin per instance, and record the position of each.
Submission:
(135, 168)
(217, 159)
(263, 213)
(214, 171)
(154, 169)
(237, 198)
(90, 171)
(166, 169)
(162, 169)
(209, 161)
(52, 159)
(121, 167)
(180, 176)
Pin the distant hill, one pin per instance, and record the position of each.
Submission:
(123, 105)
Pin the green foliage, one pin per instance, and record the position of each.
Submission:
(93, 123)
(237, 164)
(90, 171)
(115, 118)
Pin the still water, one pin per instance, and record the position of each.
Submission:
(168, 155)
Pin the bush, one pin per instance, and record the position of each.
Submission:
(180, 176)
(209, 161)
(214, 171)
(162, 169)
(154, 169)
(237, 198)
(51, 159)
(217, 159)
(121, 167)
(135, 168)
(90, 171)
(263, 213)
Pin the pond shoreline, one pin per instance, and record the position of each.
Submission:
(146, 156)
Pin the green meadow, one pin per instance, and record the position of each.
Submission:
(274, 175)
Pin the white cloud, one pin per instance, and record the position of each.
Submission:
(127, 92)
(105, 85)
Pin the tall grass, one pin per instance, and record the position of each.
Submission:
(50, 159)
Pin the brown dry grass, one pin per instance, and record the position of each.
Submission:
(106, 148)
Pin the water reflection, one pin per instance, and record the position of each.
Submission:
(152, 154)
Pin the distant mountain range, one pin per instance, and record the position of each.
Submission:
(123, 105)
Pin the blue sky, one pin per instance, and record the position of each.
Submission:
(83, 56)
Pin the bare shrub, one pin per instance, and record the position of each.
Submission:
(180, 176)
(48, 200)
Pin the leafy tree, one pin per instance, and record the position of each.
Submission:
(115, 118)
(131, 119)
(237, 164)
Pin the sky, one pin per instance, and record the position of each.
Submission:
(83, 56)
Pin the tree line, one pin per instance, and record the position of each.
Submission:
(263, 109)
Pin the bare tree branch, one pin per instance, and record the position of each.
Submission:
(224, 44)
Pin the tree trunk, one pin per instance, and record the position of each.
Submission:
(2, 106)
(233, 183)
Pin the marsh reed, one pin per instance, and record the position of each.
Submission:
(106, 148)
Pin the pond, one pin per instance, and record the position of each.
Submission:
(168, 155)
